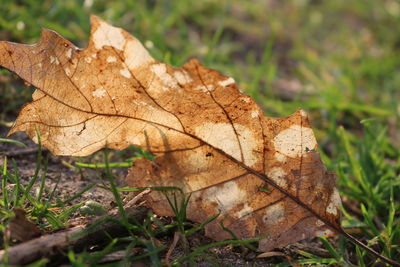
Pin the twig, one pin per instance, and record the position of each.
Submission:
(134, 200)
(177, 236)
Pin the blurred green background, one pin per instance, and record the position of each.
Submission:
(338, 60)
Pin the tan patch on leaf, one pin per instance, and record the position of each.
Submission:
(211, 140)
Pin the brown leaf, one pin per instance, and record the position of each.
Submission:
(211, 140)
(21, 228)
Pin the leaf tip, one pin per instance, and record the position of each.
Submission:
(95, 20)
(304, 117)
(95, 23)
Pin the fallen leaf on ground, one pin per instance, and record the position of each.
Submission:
(21, 228)
(260, 174)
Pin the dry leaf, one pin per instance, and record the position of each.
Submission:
(211, 140)
(21, 228)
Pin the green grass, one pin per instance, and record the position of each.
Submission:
(342, 59)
